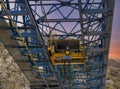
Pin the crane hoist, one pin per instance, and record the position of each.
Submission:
(66, 51)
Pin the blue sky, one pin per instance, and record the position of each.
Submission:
(115, 40)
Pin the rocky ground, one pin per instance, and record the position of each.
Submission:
(113, 74)
(11, 76)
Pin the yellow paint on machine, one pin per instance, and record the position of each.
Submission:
(61, 56)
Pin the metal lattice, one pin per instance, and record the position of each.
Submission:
(30, 23)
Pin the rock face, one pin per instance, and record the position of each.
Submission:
(11, 76)
(113, 75)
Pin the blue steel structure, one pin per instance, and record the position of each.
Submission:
(30, 23)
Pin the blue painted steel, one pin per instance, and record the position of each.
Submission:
(18, 15)
(85, 20)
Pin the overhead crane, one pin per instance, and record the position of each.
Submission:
(58, 44)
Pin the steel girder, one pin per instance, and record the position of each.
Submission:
(23, 29)
(89, 21)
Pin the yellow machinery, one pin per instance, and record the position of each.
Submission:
(66, 51)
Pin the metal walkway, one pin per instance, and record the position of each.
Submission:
(29, 28)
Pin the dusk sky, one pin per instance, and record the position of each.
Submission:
(115, 38)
